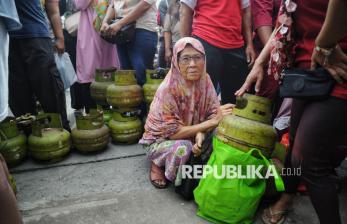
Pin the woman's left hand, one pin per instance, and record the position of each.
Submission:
(227, 109)
(199, 139)
(113, 29)
(335, 64)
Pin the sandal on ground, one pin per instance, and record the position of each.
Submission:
(268, 215)
(155, 176)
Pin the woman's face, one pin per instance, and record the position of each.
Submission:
(191, 63)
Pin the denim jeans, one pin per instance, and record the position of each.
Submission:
(139, 54)
(226, 67)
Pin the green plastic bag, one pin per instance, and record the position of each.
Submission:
(232, 200)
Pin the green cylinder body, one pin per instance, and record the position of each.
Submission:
(103, 79)
(91, 134)
(246, 128)
(125, 129)
(124, 93)
(14, 143)
(49, 142)
(152, 84)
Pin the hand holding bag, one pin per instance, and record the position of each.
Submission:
(125, 35)
(306, 84)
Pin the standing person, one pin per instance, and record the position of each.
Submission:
(171, 29)
(224, 28)
(32, 69)
(316, 133)
(9, 21)
(92, 52)
(139, 53)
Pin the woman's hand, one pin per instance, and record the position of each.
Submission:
(113, 29)
(104, 27)
(199, 139)
(227, 109)
(255, 76)
(335, 64)
(251, 55)
(168, 55)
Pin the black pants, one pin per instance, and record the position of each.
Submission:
(317, 133)
(33, 75)
(226, 67)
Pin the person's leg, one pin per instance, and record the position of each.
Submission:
(214, 62)
(318, 135)
(9, 213)
(44, 77)
(172, 154)
(235, 71)
(142, 51)
(161, 53)
(276, 212)
(21, 97)
(123, 55)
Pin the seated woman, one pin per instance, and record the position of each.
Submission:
(184, 108)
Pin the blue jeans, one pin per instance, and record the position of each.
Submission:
(139, 54)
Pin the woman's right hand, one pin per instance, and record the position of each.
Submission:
(104, 27)
(255, 76)
(168, 55)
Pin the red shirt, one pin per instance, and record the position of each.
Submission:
(219, 22)
(308, 20)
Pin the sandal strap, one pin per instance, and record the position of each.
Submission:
(277, 212)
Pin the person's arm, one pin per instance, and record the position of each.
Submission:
(167, 38)
(191, 131)
(334, 27)
(52, 8)
(247, 35)
(110, 14)
(136, 13)
(327, 52)
(186, 20)
(262, 14)
(257, 73)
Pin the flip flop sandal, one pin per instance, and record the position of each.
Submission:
(267, 216)
(154, 181)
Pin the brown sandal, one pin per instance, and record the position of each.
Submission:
(154, 181)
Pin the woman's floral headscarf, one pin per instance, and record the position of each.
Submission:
(177, 104)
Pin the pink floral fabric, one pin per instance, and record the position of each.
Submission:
(176, 104)
(283, 47)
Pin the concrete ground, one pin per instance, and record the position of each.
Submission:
(112, 187)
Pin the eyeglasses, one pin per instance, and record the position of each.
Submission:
(185, 60)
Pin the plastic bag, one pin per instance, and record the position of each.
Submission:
(232, 200)
(65, 68)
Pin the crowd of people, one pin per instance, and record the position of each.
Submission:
(225, 47)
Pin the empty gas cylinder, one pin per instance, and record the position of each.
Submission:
(154, 79)
(13, 142)
(90, 134)
(125, 92)
(49, 142)
(248, 126)
(125, 126)
(103, 79)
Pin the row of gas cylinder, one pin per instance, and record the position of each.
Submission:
(119, 89)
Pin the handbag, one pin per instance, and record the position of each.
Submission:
(124, 36)
(71, 23)
(306, 84)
